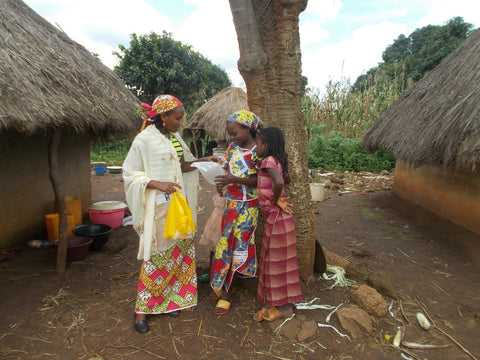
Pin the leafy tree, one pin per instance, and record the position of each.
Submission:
(397, 51)
(408, 59)
(157, 64)
(304, 84)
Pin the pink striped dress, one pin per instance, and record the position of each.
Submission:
(279, 283)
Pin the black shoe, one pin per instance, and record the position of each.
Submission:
(141, 326)
(173, 313)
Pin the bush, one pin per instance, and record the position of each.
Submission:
(339, 153)
(112, 152)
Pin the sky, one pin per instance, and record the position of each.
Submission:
(340, 39)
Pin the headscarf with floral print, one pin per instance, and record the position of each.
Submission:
(245, 118)
(163, 104)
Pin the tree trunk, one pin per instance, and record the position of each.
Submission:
(59, 199)
(270, 64)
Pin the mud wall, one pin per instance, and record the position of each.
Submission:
(26, 193)
(452, 195)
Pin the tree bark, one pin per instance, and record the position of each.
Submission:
(270, 64)
(59, 199)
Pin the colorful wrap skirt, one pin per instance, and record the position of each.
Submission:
(235, 251)
(168, 281)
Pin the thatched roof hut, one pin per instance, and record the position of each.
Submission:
(437, 121)
(433, 130)
(211, 116)
(48, 80)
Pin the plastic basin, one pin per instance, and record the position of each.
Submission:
(99, 170)
(114, 169)
(77, 248)
(110, 213)
(97, 232)
(111, 218)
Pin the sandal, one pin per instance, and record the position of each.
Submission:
(215, 295)
(273, 314)
(223, 305)
(258, 316)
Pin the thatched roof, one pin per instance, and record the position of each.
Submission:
(437, 121)
(48, 80)
(211, 116)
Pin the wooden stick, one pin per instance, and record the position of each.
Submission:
(54, 175)
(403, 312)
(426, 312)
(269, 354)
(408, 257)
(127, 304)
(20, 277)
(137, 348)
(426, 266)
(444, 333)
(457, 343)
(438, 287)
(129, 263)
(199, 327)
(175, 348)
(244, 337)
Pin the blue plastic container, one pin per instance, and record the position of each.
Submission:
(100, 170)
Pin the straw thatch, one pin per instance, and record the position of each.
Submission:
(48, 80)
(211, 116)
(437, 121)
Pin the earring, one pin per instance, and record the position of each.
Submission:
(163, 124)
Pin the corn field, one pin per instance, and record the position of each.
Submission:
(350, 113)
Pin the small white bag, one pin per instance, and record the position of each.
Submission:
(209, 170)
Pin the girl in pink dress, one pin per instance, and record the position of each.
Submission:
(279, 284)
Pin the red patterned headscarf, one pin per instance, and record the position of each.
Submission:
(161, 104)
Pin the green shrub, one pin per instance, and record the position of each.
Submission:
(112, 152)
(339, 153)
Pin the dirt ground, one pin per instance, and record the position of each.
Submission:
(433, 264)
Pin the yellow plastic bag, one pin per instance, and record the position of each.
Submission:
(179, 223)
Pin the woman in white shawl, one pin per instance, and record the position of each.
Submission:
(158, 164)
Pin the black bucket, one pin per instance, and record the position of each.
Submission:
(97, 232)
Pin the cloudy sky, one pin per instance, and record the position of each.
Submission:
(340, 39)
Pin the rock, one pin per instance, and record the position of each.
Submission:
(357, 271)
(382, 282)
(355, 320)
(336, 180)
(288, 330)
(308, 330)
(360, 253)
(370, 300)
(335, 260)
(332, 186)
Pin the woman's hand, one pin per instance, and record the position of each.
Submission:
(219, 190)
(224, 180)
(166, 187)
(284, 205)
(213, 159)
(187, 165)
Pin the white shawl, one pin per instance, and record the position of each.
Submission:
(153, 157)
